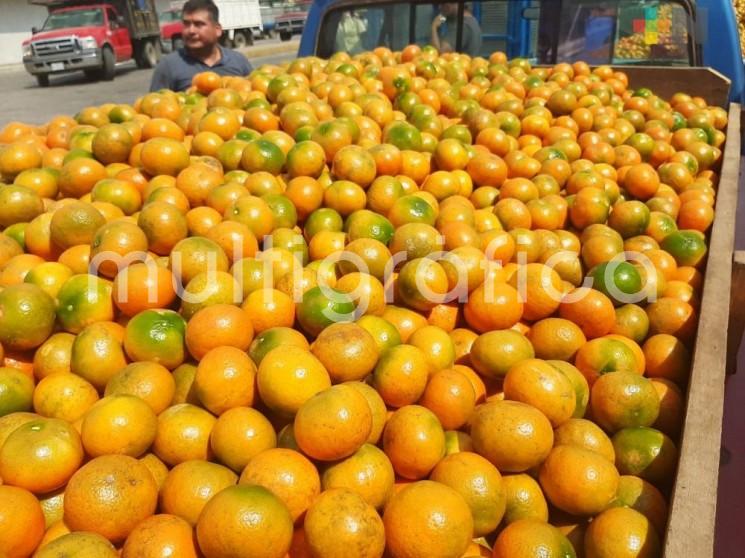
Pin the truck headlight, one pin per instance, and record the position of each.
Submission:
(88, 42)
(27, 51)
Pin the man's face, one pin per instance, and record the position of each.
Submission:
(199, 30)
(449, 9)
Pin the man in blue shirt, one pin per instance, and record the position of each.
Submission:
(201, 52)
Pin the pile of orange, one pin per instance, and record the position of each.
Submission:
(402, 303)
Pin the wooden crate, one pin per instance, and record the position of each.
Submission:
(692, 518)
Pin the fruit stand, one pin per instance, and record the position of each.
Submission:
(233, 302)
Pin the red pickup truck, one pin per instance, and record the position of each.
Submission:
(92, 36)
(171, 29)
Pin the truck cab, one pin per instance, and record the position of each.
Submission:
(669, 33)
(92, 37)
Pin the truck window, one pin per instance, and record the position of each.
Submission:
(74, 18)
(112, 17)
(545, 31)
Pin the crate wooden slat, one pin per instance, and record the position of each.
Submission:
(693, 507)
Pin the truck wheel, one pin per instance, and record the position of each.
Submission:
(150, 54)
(108, 70)
(239, 40)
(42, 80)
(285, 35)
(178, 43)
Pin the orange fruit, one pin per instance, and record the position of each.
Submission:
(587, 435)
(80, 542)
(646, 453)
(223, 528)
(142, 286)
(149, 381)
(480, 484)
(340, 520)
(512, 435)
(493, 306)
(239, 434)
(27, 316)
(190, 485)
(183, 434)
(333, 424)
(16, 391)
(591, 310)
(624, 399)
(21, 521)
(495, 352)
(621, 533)
(367, 472)
(110, 495)
(450, 396)
(427, 518)
(118, 424)
(578, 481)
(414, 441)
(524, 499)
(158, 536)
(225, 379)
(400, 376)
(288, 376)
(530, 537)
(41, 455)
(539, 384)
(556, 339)
(347, 351)
(288, 474)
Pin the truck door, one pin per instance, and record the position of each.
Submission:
(118, 35)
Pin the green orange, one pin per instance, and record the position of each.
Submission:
(156, 335)
(84, 299)
(16, 391)
(321, 307)
(27, 316)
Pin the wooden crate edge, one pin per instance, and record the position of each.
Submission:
(693, 506)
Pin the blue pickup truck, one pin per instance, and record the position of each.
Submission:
(618, 32)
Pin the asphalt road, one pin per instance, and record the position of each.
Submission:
(22, 100)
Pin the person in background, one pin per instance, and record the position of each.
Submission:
(352, 28)
(445, 28)
(202, 51)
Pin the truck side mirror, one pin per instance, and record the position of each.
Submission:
(34, 30)
(120, 21)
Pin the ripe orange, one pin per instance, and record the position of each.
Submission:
(160, 535)
(333, 424)
(288, 474)
(414, 441)
(531, 537)
(427, 518)
(110, 495)
(480, 484)
(41, 455)
(340, 520)
(512, 435)
(245, 519)
(21, 521)
(190, 485)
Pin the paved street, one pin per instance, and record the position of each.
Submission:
(24, 101)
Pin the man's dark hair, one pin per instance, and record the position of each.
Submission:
(208, 6)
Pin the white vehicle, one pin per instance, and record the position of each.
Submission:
(240, 20)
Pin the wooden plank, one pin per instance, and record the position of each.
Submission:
(665, 81)
(694, 499)
(736, 306)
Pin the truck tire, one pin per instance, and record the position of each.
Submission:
(108, 70)
(147, 53)
(42, 80)
(239, 40)
(285, 35)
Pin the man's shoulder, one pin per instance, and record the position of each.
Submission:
(235, 59)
